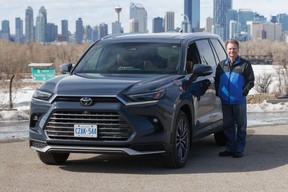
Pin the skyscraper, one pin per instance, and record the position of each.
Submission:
(40, 28)
(79, 31)
(158, 25)
(192, 11)
(221, 7)
(103, 30)
(169, 21)
(43, 11)
(18, 30)
(5, 34)
(138, 13)
(65, 30)
(29, 25)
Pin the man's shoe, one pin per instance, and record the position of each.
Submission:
(226, 154)
(238, 155)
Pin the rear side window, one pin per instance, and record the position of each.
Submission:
(206, 53)
(219, 49)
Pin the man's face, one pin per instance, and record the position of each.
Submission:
(232, 51)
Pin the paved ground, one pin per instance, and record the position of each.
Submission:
(263, 168)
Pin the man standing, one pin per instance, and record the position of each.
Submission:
(233, 80)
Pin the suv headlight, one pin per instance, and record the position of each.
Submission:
(156, 95)
(43, 95)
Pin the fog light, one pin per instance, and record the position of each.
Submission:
(155, 120)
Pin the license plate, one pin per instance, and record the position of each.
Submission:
(81, 130)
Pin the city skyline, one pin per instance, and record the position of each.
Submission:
(95, 15)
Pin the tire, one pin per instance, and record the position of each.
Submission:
(53, 158)
(220, 138)
(181, 143)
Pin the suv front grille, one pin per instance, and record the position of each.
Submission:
(110, 125)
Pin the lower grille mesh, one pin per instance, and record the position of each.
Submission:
(110, 125)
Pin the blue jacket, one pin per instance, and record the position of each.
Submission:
(233, 82)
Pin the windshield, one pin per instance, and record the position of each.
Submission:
(150, 58)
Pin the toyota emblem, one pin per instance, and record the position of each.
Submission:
(86, 101)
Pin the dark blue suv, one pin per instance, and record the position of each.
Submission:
(136, 94)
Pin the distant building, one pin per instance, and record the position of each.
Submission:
(52, 32)
(192, 11)
(169, 21)
(283, 20)
(157, 25)
(268, 30)
(209, 24)
(245, 15)
(134, 26)
(65, 30)
(19, 38)
(138, 13)
(221, 7)
(40, 29)
(79, 31)
(29, 25)
(103, 30)
(5, 33)
(43, 11)
(231, 15)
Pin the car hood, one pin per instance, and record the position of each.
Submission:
(111, 84)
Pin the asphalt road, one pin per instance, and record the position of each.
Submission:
(263, 168)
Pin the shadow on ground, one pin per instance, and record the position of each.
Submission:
(263, 152)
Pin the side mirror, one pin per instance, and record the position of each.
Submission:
(201, 70)
(66, 68)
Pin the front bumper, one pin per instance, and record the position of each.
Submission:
(133, 130)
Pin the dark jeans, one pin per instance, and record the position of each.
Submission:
(234, 126)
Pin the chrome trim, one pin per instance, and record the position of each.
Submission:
(108, 96)
(87, 149)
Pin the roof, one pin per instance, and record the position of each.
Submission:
(157, 37)
(40, 64)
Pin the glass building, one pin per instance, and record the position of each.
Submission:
(138, 13)
(221, 7)
(192, 11)
(79, 31)
(19, 38)
(158, 25)
(29, 25)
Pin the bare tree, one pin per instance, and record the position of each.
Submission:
(262, 83)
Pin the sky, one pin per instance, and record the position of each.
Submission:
(94, 12)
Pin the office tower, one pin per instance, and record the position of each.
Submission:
(52, 32)
(234, 29)
(220, 9)
(65, 30)
(231, 15)
(138, 13)
(5, 33)
(268, 30)
(192, 11)
(19, 38)
(43, 11)
(116, 26)
(158, 25)
(209, 24)
(169, 21)
(79, 31)
(40, 29)
(29, 25)
(103, 30)
(283, 20)
(134, 25)
(95, 35)
(245, 15)
(89, 34)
